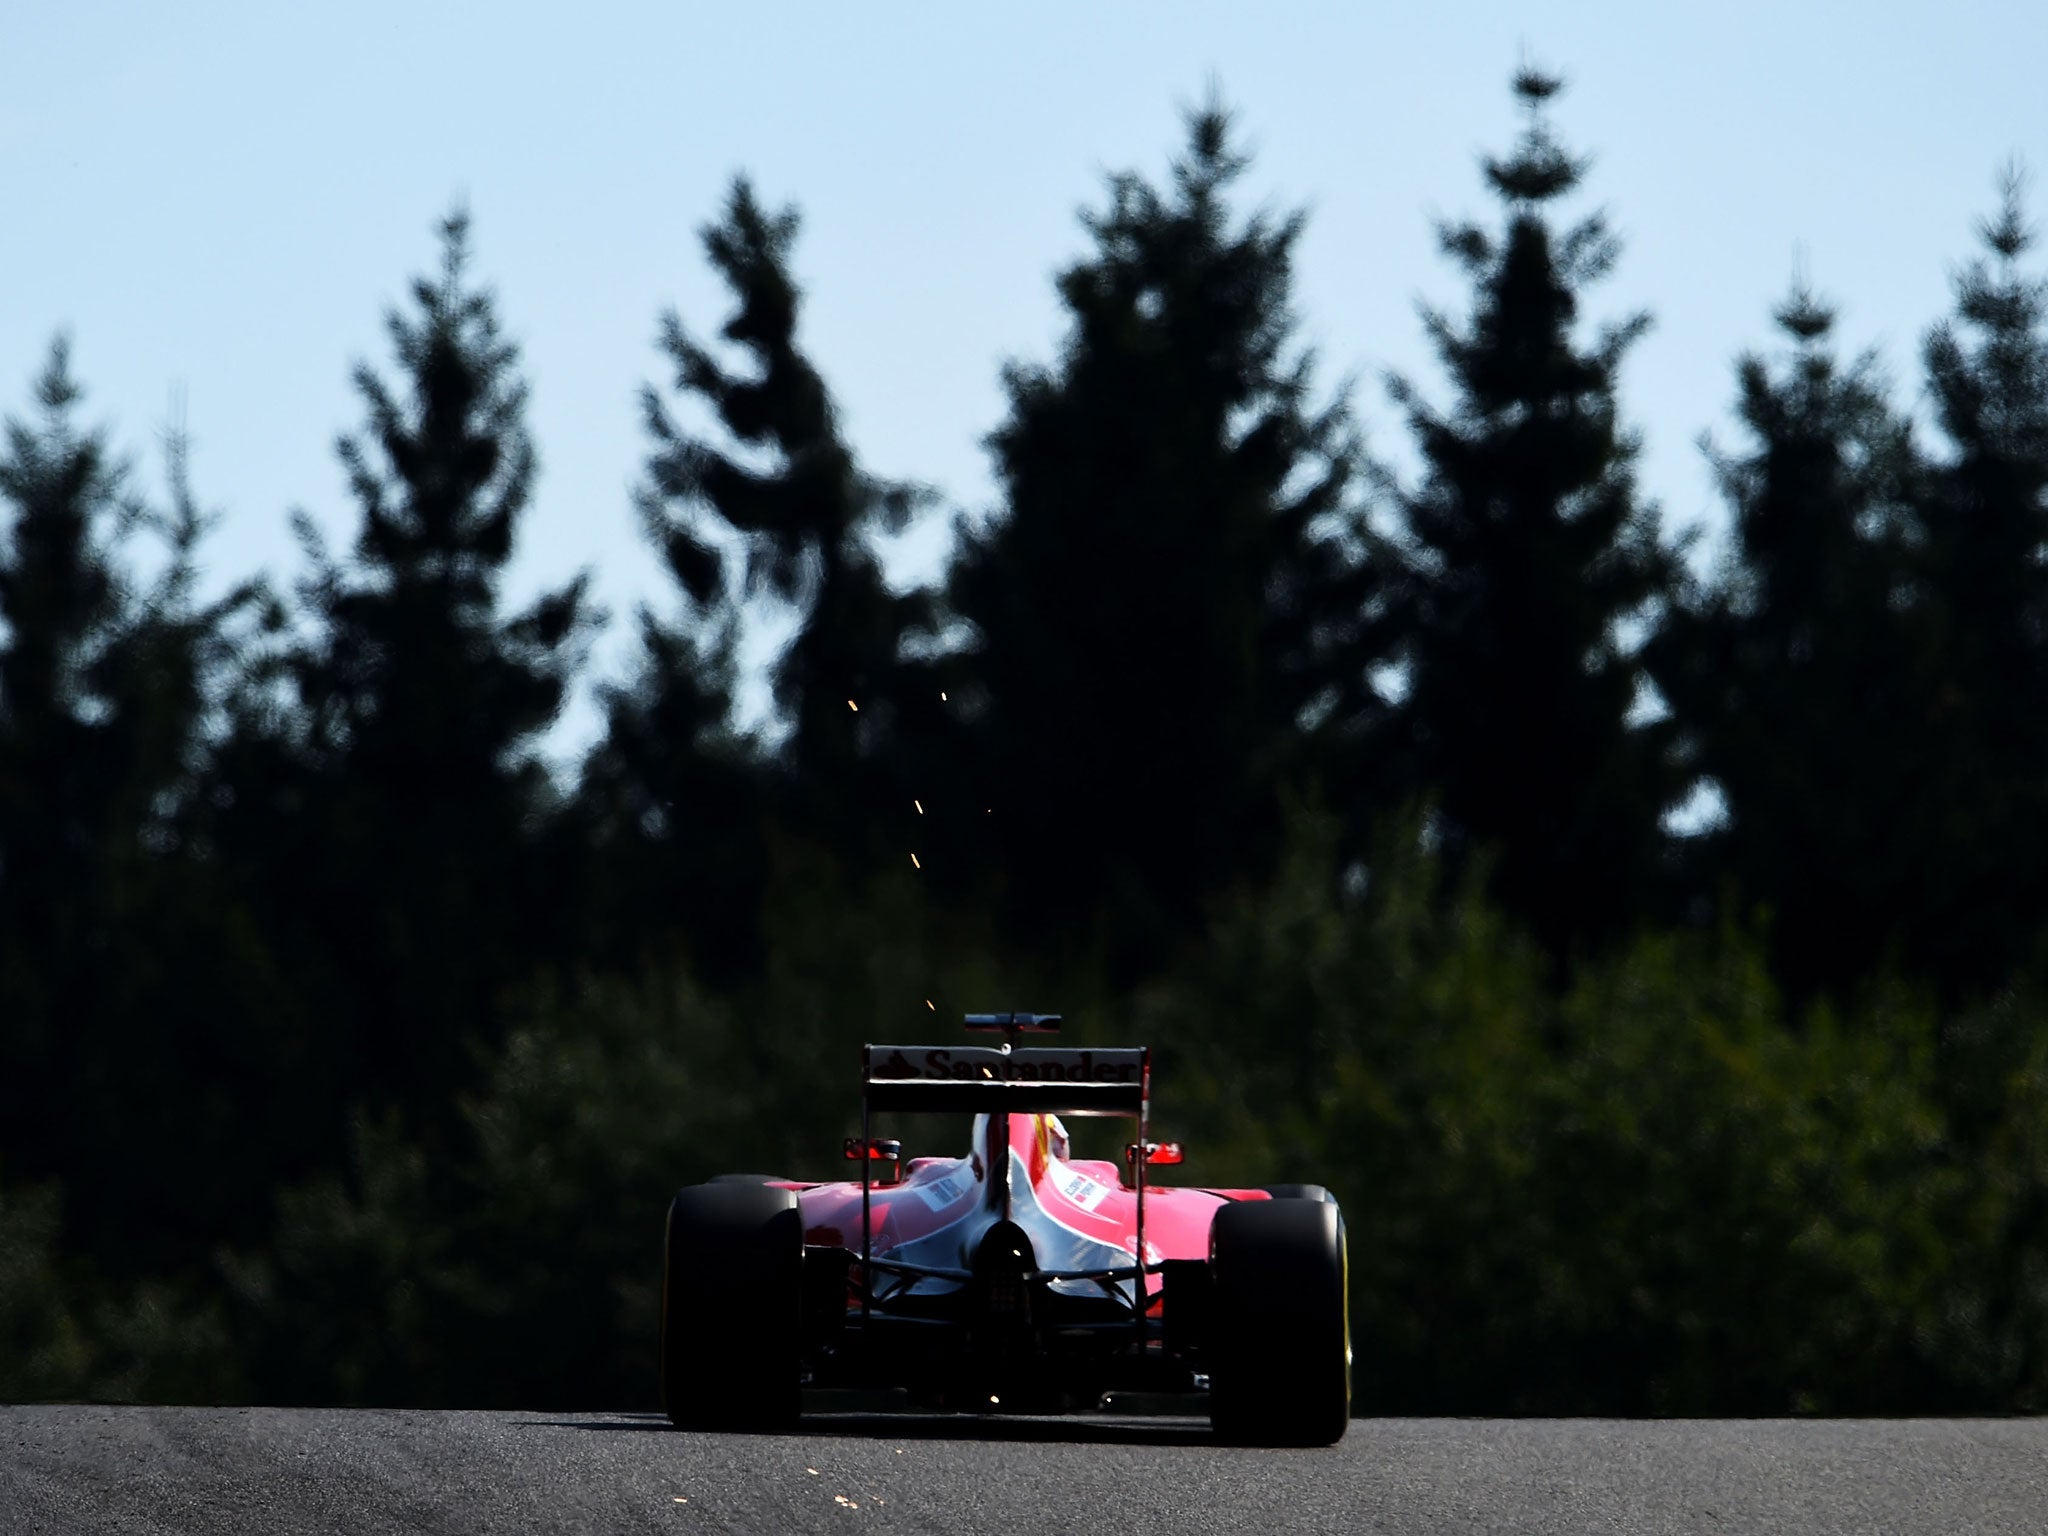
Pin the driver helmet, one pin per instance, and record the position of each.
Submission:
(1056, 1137)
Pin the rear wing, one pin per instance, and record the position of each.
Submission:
(1001, 1079)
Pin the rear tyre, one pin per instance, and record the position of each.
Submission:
(1280, 1329)
(731, 1295)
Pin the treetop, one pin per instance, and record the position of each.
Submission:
(1539, 169)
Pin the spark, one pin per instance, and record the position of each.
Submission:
(942, 695)
(920, 806)
(812, 1470)
(853, 706)
(913, 862)
(681, 1500)
(934, 1008)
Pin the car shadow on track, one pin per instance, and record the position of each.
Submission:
(1065, 1429)
(1069, 1429)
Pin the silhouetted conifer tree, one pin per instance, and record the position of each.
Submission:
(1150, 608)
(61, 601)
(675, 798)
(784, 492)
(1796, 675)
(392, 806)
(1986, 517)
(124, 1065)
(1526, 551)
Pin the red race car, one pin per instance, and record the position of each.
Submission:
(1015, 1279)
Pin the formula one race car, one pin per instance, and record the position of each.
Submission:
(1015, 1279)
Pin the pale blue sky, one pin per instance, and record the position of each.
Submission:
(220, 200)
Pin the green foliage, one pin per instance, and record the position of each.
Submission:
(43, 1349)
(520, 1270)
(1660, 1192)
(66, 1334)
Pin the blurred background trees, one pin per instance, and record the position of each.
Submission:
(386, 812)
(1151, 612)
(349, 1050)
(1987, 583)
(1521, 556)
(1798, 671)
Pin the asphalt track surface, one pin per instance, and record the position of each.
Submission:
(233, 1470)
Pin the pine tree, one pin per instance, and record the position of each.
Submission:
(1525, 554)
(61, 600)
(1986, 516)
(389, 811)
(1151, 611)
(786, 494)
(1796, 674)
(121, 1054)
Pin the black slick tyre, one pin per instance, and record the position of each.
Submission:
(1280, 1329)
(731, 1297)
